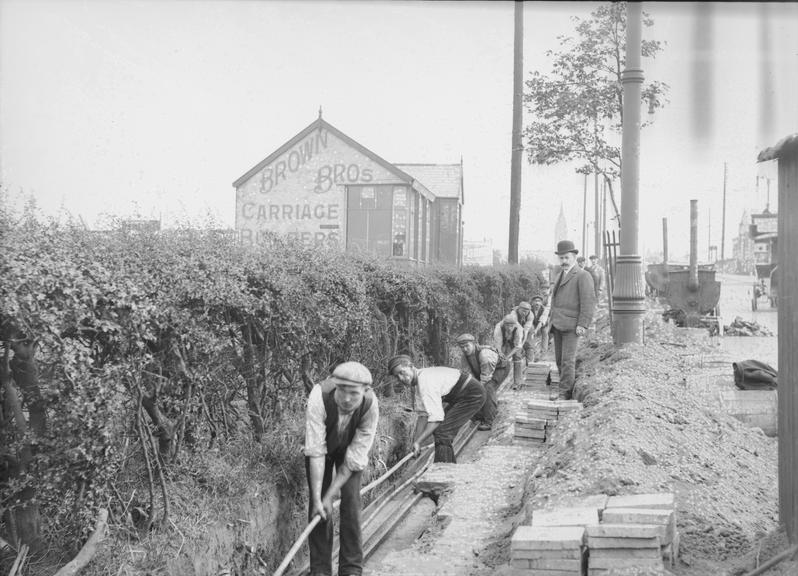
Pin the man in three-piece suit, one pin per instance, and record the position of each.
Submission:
(572, 303)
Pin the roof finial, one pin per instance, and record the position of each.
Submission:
(319, 112)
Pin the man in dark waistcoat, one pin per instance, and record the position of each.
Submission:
(340, 425)
(490, 367)
(433, 386)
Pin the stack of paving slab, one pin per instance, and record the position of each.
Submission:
(656, 510)
(549, 551)
(621, 546)
(536, 379)
(539, 417)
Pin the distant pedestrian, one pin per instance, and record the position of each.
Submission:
(340, 426)
(433, 386)
(491, 368)
(572, 304)
(581, 262)
(597, 272)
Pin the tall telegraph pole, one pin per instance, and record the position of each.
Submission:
(723, 218)
(517, 148)
(628, 299)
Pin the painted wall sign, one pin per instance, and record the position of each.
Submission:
(302, 192)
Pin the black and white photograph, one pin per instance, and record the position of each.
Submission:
(398, 288)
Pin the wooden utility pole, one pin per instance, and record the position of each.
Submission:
(584, 217)
(517, 148)
(723, 218)
(596, 220)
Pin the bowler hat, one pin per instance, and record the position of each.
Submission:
(463, 338)
(351, 373)
(399, 360)
(565, 246)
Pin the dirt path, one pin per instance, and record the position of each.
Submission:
(488, 488)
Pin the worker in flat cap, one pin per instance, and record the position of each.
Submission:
(507, 332)
(340, 426)
(572, 304)
(433, 386)
(491, 367)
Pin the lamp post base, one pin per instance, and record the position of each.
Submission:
(628, 300)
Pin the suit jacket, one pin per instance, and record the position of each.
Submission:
(573, 300)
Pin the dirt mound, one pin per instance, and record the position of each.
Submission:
(643, 430)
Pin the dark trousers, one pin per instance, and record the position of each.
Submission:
(491, 406)
(463, 405)
(320, 542)
(565, 343)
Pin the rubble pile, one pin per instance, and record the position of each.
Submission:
(642, 429)
(740, 327)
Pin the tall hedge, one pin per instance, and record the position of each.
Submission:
(120, 345)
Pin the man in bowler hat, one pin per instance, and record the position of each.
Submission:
(572, 303)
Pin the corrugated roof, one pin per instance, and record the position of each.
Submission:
(784, 147)
(443, 180)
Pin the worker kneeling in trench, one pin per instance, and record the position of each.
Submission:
(431, 387)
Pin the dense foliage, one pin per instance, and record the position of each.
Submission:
(130, 353)
(577, 109)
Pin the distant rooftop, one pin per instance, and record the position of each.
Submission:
(443, 180)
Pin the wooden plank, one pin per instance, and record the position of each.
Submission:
(787, 275)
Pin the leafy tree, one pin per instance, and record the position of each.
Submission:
(578, 107)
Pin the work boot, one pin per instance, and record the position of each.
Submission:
(518, 373)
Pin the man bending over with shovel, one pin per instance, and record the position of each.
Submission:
(340, 426)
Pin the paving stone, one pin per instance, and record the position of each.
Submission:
(568, 554)
(438, 478)
(599, 542)
(531, 571)
(665, 519)
(624, 553)
(621, 530)
(660, 500)
(565, 517)
(547, 538)
(526, 421)
(608, 563)
(530, 433)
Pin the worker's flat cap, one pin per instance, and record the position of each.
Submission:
(351, 373)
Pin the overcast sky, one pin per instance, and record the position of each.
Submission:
(152, 109)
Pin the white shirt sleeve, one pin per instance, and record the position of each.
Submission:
(315, 429)
(357, 453)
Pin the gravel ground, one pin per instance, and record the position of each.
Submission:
(647, 426)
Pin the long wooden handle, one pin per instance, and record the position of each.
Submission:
(295, 548)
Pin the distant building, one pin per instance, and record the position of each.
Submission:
(478, 252)
(323, 187)
(743, 246)
(764, 233)
(560, 227)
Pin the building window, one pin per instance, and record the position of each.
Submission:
(399, 227)
(368, 226)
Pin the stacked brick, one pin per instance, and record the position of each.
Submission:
(648, 509)
(536, 379)
(549, 551)
(597, 534)
(535, 422)
(622, 546)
